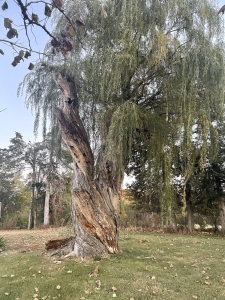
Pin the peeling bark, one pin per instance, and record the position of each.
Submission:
(94, 200)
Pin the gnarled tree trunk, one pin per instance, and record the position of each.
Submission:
(94, 200)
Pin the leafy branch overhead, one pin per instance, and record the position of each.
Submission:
(60, 42)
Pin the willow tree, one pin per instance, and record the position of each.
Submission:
(141, 73)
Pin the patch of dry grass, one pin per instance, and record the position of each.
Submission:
(32, 240)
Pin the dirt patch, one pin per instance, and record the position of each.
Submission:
(31, 240)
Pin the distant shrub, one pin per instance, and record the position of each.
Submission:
(2, 243)
(9, 224)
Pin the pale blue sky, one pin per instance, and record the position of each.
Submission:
(17, 117)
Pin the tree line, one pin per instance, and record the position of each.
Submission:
(35, 184)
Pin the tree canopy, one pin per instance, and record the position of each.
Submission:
(149, 75)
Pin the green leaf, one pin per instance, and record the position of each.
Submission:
(21, 53)
(8, 23)
(5, 6)
(1, 52)
(48, 11)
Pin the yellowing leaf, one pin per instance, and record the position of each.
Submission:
(8, 23)
(21, 53)
(71, 31)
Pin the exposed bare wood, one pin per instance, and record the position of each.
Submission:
(93, 201)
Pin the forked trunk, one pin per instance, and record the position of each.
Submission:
(94, 200)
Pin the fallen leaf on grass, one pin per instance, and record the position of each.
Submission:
(36, 290)
(95, 272)
(12, 275)
(114, 288)
(195, 297)
(223, 280)
(87, 292)
(207, 283)
(153, 293)
(82, 298)
(143, 241)
(140, 290)
(131, 298)
(98, 282)
(207, 277)
(35, 295)
(114, 295)
(153, 277)
(7, 294)
(165, 268)
(57, 261)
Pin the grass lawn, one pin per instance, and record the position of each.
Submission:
(151, 266)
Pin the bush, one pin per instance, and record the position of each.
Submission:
(2, 243)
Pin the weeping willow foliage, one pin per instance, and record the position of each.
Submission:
(148, 76)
